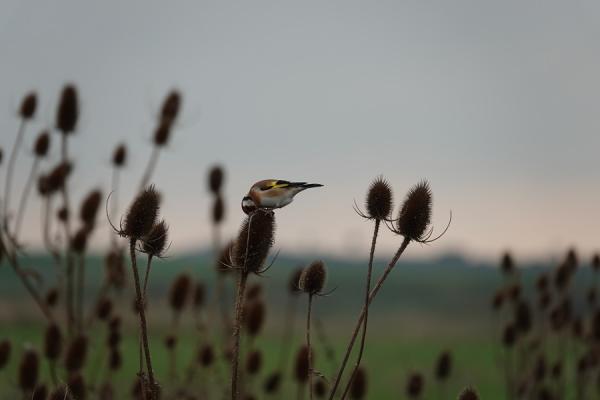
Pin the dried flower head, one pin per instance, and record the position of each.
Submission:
(114, 339)
(254, 292)
(76, 385)
(57, 177)
(253, 362)
(313, 278)
(79, 241)
(89, 208)
(596, 262)
(68, 110)
(120, 156)
(62, 214)
(379, 199)
(28, 106)
(170, 342)
(115, 360)
(52, 296)
(468, 394)
(114, 263)
(498, 300)
(162, 134)
(507, 264)
(42, 143)
(254, 317)
(179, 292)
(272, 383)
(509, 336)
(443, 367)
(53, 342)
(301, 365)
(415, 214)
(215, 179)
(358, 390)
(104, 307)
(206, 356)
(218, 211)
(155, 243)
(5, 349)
(170, 108)
(76, 354)
(414, 385)
(142, 214)
(29, 370)
(43, 186)
(254, 241)
(523, 317)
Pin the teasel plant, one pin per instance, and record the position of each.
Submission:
(301, 369)
(379, 204)
(138, 224)
(312, 282)
(179, 296)
(249, 254)
(119, 161)
(413, 224)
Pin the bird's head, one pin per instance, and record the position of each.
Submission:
(248, 205)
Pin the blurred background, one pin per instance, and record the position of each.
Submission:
(495, 103)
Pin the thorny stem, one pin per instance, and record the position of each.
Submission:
(361, 317)
(308, 346)
(69, 255)
(143, 324)
(80, 285)
(365, 322)
(9, 173)
(148, 266)
(239, 314)
(24, 197)
(150, 167)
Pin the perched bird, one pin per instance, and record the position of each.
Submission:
(273, 193)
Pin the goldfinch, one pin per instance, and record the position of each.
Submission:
(273, 193)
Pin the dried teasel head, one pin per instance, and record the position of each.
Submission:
(53, 342)
(272, 383)
(415, 214)
(57, 177)
(254, 292)
(170, 107)
(216, 176)
(142, 214)
(179, 292)
(170, 342)
(29, 370)
(115, 360)
(52, 296)
(498, 300)
(155, 242)
(523, 317)
(76, 354)
(313, 278)
(254, 317)
(79, 241)
(509, 336)
(162, 134)
(415, 385)
(379, 199)
(28, 106)
(120, 156)
(104, 307)
(358, 389)
(114, 339)
(206, 356)
(596, 262)
(468, 394)
(254, 241)
(68, 110)
(76, 385)
(89, 208)
(253, 362)
(42, 144)
(62, 214)
(301, 365)
(443, 367)
(114, 267)
(320, 388)
(507, 264)
(5, 350)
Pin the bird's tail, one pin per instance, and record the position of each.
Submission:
(304, 185)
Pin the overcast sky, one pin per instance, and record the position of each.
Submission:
(496, 103)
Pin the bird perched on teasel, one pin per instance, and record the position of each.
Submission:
(273, 193)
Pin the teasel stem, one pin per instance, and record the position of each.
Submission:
(114, 185)
(69, 256)
(239, 314)
(10, 171)
(150, 167)
(24, 198)
(143, 324)
(364, 325)
(324, 342)
(308, 345)
(372, 295)
(80, 289)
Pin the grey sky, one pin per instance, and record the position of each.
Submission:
(496, 103)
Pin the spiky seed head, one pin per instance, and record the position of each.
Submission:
(509, 336)
(320, 388)
(170, 342)
(114, 339)
(142, 214)
(115, 359)
(58, 176)
(218, 210)
(89, 208)
(571, 260)
(62, 214)
(104, 307)
(29, 370)
(224, 261)
(5, 349)
(179, 292)
(215, 179)
(254, 241)
(206, 356)
(498, 300)
(443, 368)
(28, 106)
(468, 394)
(358, 390)
(68, 110)
(155, 243)
(76, 385)
(53, 342)
(199, 295)
(120, 156)
(170, 108)
(313, 278)
(379, 199)
(114, 264)
(415, 214)
(254, 292)
(514, 292)
(114, 324)
(42, 143)
(414, 385)
(162, 134)
(52, 296)
(40, 392)
(596, 262)
(523, 317)
(294, 282)
(253, 362)
(301, 365)
(43, 187)
(254, 317)
(272, 383)
(76, 354)
(542, 282)
(507, 264)
(79, 241)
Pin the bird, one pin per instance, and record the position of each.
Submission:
(270, 194)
